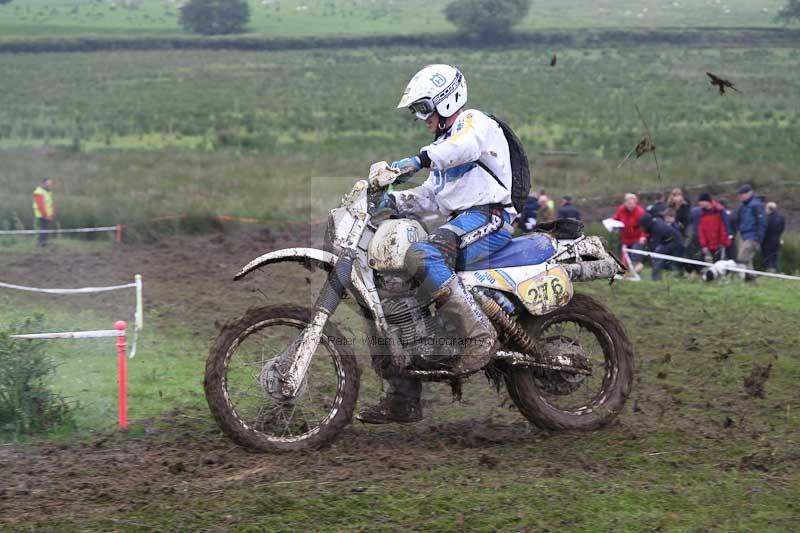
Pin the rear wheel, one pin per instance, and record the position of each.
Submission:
(557, 400)
(235, 385)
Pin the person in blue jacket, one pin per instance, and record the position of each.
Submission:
(567, 210)
(751, 222)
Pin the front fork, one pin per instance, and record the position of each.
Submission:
(283, 378)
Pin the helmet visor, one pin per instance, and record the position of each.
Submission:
(422, 109)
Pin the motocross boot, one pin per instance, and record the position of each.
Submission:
(401, 405)
(478, 338)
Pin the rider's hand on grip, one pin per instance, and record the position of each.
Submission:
(407, 167)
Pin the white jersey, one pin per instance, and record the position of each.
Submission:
(456, 181)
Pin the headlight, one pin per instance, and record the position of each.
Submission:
(330, 234)
(340, 222)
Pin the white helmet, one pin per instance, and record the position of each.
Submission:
(440, 88)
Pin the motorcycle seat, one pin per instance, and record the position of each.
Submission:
(531, 249)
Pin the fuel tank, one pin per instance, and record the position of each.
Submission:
(388, 247)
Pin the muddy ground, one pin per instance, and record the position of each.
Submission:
(673, 420)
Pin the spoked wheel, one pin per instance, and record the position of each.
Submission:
(583, 329)
(236, 390)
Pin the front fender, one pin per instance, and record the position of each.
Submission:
(318, 258)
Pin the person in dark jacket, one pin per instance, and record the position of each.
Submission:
(528, 219)
(730, 223)
(752, 224)
(656, 209)
(682, 208)
(771, 245)
(567, 210)
(662, 239)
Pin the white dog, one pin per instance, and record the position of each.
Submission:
(720, 269)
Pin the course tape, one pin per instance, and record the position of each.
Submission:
(74, 334)
(703, 263)
(138, 314)
(68, 291)
(72, 230)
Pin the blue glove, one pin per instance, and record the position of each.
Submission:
(409, 165)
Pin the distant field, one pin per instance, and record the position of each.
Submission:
(327, 17)
(243, 133)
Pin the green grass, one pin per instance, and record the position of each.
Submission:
(359, 17)
(164, 133)
(165, 373)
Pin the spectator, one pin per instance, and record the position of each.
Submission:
(671, 221)
(711, 226)
(528, 219)
(663, 239)
(546, 211)
(656, 209)
(730, 251)
(44, 210)
(682, 210)
(631, 235)
(771, 245)
(567, 210)
(550, 203)
(752, 224)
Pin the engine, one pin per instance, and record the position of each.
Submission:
(409, 317)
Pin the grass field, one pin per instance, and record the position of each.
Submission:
(248, 134)
(48, 18)
(692, 450)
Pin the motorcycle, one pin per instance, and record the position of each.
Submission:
(284, 377)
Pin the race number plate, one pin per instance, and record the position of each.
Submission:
(547, 291)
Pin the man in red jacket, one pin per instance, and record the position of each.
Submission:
(711, 226)
(631, 235)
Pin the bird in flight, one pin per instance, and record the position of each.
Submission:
(644, 146)
(721, 83)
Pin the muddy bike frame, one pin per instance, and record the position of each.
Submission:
(349, 235)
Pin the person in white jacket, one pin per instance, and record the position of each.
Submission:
(470, 180)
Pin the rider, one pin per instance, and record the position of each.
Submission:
(470, 180)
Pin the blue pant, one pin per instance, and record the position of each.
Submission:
(674, 249)
(471, 236)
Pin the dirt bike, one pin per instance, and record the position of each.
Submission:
(284, 377)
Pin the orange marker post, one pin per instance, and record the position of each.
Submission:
(119, 233)
(122, 370)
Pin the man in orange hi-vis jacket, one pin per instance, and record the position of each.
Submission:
(44, 210)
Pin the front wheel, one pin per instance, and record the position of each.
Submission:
(560, 401)
(240, 403)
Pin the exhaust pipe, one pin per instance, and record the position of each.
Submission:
(592, 270)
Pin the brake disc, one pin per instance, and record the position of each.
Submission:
(271, 380)
(559, 382)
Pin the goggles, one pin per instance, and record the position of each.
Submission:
(422, 109)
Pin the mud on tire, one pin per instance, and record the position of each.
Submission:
(223, 408)
(617, 380)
